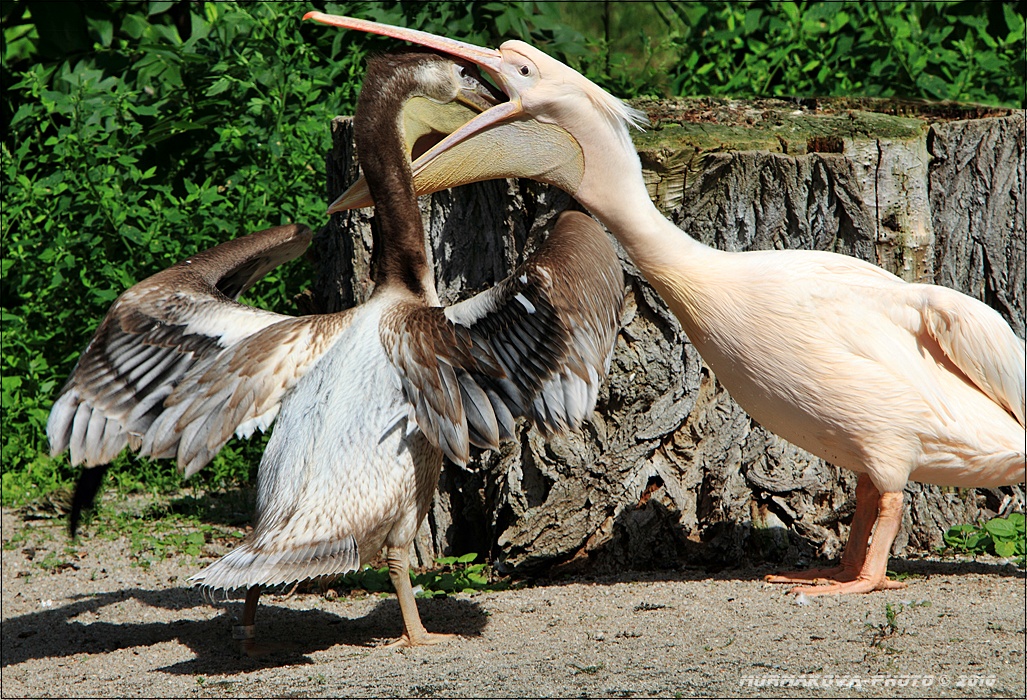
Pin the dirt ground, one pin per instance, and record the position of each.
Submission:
(105, 627)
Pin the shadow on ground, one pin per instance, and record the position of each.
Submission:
(908, 569)
(61, 632)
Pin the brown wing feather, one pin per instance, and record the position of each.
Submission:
(154, 333)
(537, 345)
(238, 390)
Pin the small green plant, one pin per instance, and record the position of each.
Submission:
(454, 575)
(53, 563)
(163, 528)
(881, 632)
(17, 539)
(1003, 537)
(903, 575)
(458, 575)
(589, 670)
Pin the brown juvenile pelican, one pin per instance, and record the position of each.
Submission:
(367, 400)
(895, 381)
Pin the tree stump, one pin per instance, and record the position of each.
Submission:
(670, 471)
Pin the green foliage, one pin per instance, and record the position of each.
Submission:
(1003, 537)
(164, 529)
(963, 51)
(454, 575)
(163, 134)
(458, 575)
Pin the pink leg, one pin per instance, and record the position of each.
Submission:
(867, 499)
(873, 575)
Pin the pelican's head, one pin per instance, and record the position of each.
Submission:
(430, 95)
(554, 122)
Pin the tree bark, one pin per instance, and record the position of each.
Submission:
(670, 471)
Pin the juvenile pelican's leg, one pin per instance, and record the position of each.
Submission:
(414, 633)
(855, 551)
(246, 632)
(873, 575)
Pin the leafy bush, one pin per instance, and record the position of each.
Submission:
(1003, 537)
(963, 51)
(124, 158)
(453, 575)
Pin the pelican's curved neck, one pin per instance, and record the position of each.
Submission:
(681, 269)
(399, 256)
(614, 190)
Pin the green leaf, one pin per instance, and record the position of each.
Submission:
(158, 6)
(10, 383)
(752, 20)
(840, 19)
(220, 85)
(933, 85)
(1000, 528)
(104, 30)
(791, 10)
(1005, 548)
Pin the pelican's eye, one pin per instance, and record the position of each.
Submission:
(525, 70)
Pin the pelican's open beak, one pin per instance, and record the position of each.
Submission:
(503, 141)
(426, 121)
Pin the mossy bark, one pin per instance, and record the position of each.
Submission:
(671, 471)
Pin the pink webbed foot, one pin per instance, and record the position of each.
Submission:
(834, 574)
(859, 585)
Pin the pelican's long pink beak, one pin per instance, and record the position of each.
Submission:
(489, 59)
(432, 173)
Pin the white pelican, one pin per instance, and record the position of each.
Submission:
(895, 381)
(367, 400)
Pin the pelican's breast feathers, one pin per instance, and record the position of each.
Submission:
(340, 474)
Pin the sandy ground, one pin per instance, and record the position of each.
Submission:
(106, 627)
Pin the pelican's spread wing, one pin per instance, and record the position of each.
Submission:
(238, 390)
(538, 344)
(981, 344)
(154, 334)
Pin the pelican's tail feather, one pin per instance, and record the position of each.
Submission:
(250, 565)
